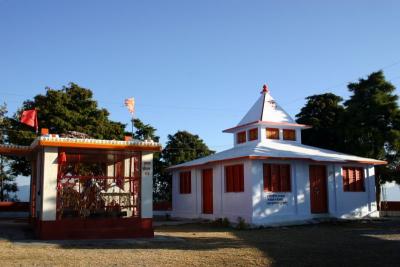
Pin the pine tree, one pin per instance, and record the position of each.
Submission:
(325, 114)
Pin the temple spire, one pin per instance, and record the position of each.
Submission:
(265, 89)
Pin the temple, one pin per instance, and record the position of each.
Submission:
(270, 177)
(89, 188)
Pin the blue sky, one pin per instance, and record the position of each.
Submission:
(194, 65)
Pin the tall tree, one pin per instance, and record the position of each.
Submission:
(8, 186)
(373, 123)
(144, 131)
(71, 108)
(324, 113)
(181, 147)
(184, 146)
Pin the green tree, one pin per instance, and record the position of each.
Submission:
(324, 113)
(184, 146)
(144, 131)
(373, 123)
(181, 147)
(7, 180)
(71, 108)
(8, 185)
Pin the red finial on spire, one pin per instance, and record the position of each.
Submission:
(265, 89)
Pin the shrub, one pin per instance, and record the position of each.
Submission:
(226, 222)
(241, 224)
(221, 222)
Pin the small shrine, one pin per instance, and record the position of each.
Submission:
(85, 188)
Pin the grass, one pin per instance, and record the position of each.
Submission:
(366, 243)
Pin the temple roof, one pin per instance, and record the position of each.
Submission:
(50, 141)
(266, 111)
(279, 150)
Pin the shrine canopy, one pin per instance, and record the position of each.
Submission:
(55, 141)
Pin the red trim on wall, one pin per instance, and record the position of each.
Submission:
(94, 229)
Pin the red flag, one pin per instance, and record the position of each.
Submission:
(29, 117)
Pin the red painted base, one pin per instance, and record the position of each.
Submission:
(94, 228)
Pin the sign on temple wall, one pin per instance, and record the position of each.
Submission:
(277, 199)
(147, 168)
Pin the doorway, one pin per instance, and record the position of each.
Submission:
(207, 188)
(318, 189)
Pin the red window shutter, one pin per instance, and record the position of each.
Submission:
(359, 176)
(236, 178)
(345, 172)
(185, 182)
(353, 179)
(241, 137)
(188, 183)
(241, 178)
(253, 134)
(228, 178)
(289, 184)
(275, 185)
(181, 183)
(267, 177)
(189, 178)
(272, 133)
(285, 178)
(289, 135)
(352, 182)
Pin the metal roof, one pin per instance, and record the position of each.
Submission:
(279, 150)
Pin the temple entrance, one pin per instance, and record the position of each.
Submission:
(318, 189)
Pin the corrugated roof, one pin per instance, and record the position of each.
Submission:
(279, 150)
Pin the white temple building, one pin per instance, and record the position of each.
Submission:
(270, 177)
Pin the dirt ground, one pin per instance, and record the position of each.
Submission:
(361, 243)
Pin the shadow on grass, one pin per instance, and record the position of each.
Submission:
(367, 243)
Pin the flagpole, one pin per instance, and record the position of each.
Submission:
(130, 104)
(132, 121)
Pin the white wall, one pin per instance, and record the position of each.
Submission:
(147, 185)
(277, 207)
(356, 204)
(230, 205)
(296, 206)
(184, 205)
(260, 207)
(236, 204)
(49, 194)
